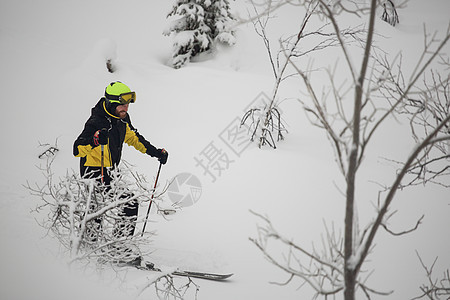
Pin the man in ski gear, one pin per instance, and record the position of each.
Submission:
(110, 125)
(99, 145)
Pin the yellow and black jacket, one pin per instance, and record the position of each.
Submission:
(119, 131)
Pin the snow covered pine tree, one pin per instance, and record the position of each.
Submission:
(196, 25)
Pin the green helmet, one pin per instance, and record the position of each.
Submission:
(114, 90)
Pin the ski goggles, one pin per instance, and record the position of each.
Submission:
(125, 98)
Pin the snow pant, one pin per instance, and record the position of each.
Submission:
(126, 223)
(124, 226)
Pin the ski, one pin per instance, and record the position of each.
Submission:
(202, 275)
(199, 275)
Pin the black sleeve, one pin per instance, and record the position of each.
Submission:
(84, 142)
(135, 139)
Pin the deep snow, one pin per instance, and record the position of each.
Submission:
(52, 72)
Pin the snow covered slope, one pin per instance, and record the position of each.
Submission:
(52, 72)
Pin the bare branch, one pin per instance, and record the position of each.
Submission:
(434, 289)
(405, 231)
(324, 271)
(393, 189)
(88, 218)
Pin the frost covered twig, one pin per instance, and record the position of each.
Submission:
(88, 218)
(166, 288)
(269, 117)
(50, 150)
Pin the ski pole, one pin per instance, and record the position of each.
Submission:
(102, 160)
(151, 199)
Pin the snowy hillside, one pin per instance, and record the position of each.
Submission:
(52, 73)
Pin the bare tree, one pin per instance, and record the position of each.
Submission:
(377, 90)
(266, 119)
(87, 219)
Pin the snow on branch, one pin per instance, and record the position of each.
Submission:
(196, 25)
(90, 223)
(166, 288)
(88, 218)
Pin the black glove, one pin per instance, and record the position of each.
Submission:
(101, 137)
(162, 156)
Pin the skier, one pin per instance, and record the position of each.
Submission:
(100, 143)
